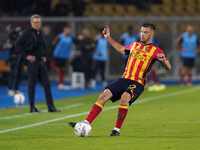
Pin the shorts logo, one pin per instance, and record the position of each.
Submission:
(132, 87)
(119, 116)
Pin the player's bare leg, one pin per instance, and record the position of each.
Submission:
(97, 107)
(122, 112)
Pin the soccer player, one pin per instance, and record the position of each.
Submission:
(62, 53)
(128, 88)
(87, 47)
(100, 57)
(188, 44)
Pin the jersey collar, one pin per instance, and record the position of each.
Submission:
(145, 44)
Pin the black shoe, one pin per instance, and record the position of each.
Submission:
(34, 110)
(114, 133)
(52, 109)
(72, 124)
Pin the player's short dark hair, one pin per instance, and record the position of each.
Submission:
(130, 28)
(35, 16)
(100, 29)
(149, 25)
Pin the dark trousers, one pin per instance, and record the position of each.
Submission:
(16, 72)
(87, 69)
(38, 69)
(99, 65)
(19, 72)
(12, 76)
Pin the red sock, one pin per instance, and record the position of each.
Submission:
(155, 77)
(122, 112)
(182, 77)
(190, 77)
(61, 76)
(96, 109)
(53, 65)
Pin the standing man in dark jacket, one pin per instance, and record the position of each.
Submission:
(15, 63)
(31, 45)
(87, 46)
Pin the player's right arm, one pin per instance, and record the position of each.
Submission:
(121, 40)
(56, 39)
(177, 42)
(116, 45)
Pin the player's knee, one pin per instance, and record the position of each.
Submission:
(104, 97)
(125, 98)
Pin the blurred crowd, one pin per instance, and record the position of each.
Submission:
(42, 7)
(60, 7)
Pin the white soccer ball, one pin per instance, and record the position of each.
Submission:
(82, 129)
(19, 99)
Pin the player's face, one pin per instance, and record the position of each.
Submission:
(36, 23)
(46, 30)
(190, 29)
(146, 35)
(86, 32)
(67, 30)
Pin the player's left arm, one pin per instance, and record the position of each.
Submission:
(116, 45)
(56, 39)
(164, 61)
(197, 50)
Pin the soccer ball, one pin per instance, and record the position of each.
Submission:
(82, 129)
(19, 99)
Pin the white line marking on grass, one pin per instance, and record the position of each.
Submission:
(108, 108)
(182, 122)
(168, 95)
(28, 114)
(44, 122)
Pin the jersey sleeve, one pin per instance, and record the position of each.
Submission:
(159, 51)
(128, 48)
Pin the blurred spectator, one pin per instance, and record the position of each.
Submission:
(87, 46)
(78, 7)
(189, 45)
(13, 83)
(100, 57)
(62, 8)
(62, 53)
(126, 39)
(49, 38)
(25, 8)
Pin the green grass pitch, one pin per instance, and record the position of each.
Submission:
(164, 120)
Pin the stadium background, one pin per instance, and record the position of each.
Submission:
(169, 16)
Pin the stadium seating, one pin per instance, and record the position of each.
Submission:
(166, 8)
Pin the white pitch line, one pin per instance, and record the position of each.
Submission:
(28, 114)
(108, 108)
(182, 122)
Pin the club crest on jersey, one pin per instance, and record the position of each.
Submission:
(147, 48)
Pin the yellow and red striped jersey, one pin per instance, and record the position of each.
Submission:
(140, 61)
